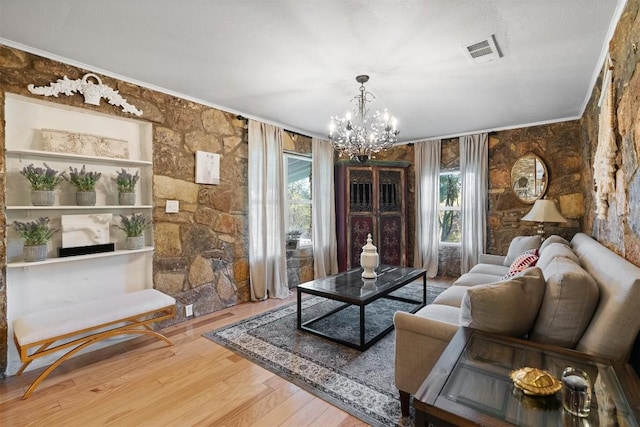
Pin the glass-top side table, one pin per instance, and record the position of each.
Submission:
(470, 385)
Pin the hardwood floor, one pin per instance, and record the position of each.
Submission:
(143, 382)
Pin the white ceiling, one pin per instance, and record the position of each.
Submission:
(293, 62)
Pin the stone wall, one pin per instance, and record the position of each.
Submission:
(299, 266)
(620, 230)
(560, 147)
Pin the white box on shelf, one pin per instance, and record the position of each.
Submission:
(85, 230)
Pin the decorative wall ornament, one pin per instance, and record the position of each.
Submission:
(91, 91)
(604, 168)
(207, 168)
(62, 141)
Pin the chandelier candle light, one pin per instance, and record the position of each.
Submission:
(363, 135)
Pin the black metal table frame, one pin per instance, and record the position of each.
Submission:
(362, 304)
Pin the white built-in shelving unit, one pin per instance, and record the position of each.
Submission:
(35, 286)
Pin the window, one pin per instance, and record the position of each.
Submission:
(298, 172)
(449, 207)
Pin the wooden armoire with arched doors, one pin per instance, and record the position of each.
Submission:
(371, 198)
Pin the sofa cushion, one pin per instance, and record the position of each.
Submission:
(441, 313)
(520, 244)
(493, 269)
(509, 307)
(568, 304)
(525, 260)
(451, 296)
(554, 250)
(472, 279)
(554, 238)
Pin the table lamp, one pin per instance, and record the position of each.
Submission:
(543, 211)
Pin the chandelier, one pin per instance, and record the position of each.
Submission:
(363, 135)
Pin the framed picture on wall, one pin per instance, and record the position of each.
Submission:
(207, 168)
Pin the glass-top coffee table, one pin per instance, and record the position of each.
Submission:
(356, 297)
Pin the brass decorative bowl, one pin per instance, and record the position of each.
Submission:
(535, 382)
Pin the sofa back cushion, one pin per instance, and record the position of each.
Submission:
(616, 321)
(508, 307)
(569, 301)
(555, 250)
(519, 245)
(451, 296)
(554, 238)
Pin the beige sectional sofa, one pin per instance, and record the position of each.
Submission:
(579, 295)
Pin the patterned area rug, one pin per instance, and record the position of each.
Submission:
(360, 383)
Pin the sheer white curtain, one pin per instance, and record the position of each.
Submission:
(474, 170)
(267, 254)
(427, 157)
(325, 253)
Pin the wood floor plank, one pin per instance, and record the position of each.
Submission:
(255, 409)
(333, 416)
(307, 414)
(179, 403)
(245, 385)
(285, 410)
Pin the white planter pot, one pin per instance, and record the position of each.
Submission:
(126, 199)
(85, 198)
(43, 197)
(136, 242)
(34, 253)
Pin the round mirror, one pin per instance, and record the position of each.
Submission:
(529, 178)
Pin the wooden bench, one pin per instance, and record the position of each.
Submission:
(80, 325)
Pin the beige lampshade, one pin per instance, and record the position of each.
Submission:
(544, 211)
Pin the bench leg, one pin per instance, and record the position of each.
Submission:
(28, 362)
(93, 339)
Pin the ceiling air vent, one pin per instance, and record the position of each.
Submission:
(483, 50)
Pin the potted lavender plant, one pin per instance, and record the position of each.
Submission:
(134, 226)
(43, 184)
(126, 183)
(85, 183)
(35, 235)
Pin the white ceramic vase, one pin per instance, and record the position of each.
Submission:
(369, 259)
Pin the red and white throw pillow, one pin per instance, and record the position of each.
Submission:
(522, 262)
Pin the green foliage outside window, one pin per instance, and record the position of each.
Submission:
(450, 186)
(300, 207)
(299, 195)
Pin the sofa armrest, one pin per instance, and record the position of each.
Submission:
(419, 343)
(491, 259)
